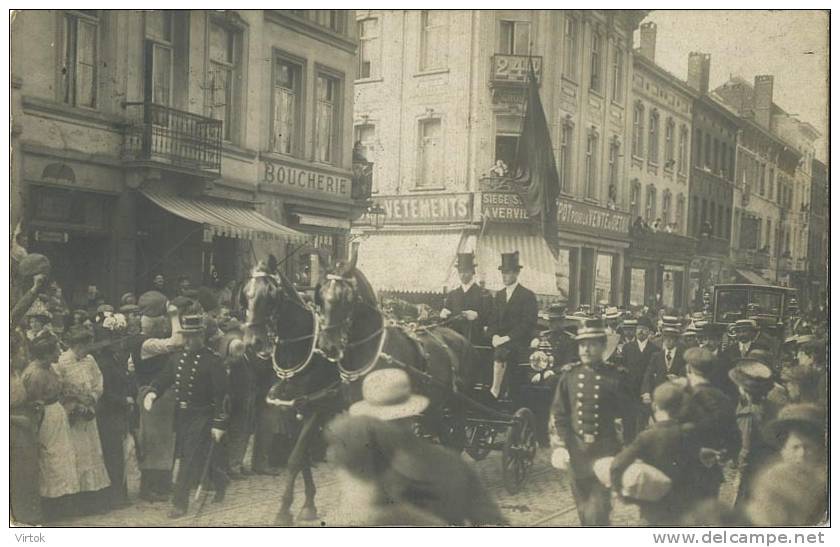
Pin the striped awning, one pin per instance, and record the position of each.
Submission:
(539, 267)
(224, 219)
(410, 261)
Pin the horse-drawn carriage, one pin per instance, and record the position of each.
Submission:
(321, 351)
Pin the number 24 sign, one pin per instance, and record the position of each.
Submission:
(514, 68)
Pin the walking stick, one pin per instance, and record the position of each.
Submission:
(204, 474)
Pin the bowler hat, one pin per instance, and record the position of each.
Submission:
(644, 321)
(805, 416)
(700, 359)
(465, 262)
(510, 262)
(34, 264)
(591, 328)
(387, 395)
(752, 375)
(152, 304)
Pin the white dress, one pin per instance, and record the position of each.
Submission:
(82, 382)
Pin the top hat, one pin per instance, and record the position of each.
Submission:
(386, 394)
(465, 262)
(807, 416)
(591, 328)
(510, 262)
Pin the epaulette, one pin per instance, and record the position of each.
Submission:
(569, 366)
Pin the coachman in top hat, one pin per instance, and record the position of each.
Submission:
(199, 379)
(591, 395)
(514, 320)
(469, 308)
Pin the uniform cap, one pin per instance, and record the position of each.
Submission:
(591, 328)
(152, 304)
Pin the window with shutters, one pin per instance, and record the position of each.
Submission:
(636, 199)
(650, 204)
(669, 143)
(223, 78)
(286, 130)
(682, 160)
(434, 40)
(514, 37)
(430, 154)
(79, 57)
(369, 49)
(327, 121)
(570, 39)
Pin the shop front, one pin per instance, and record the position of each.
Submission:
(659, 273)
(314, 200)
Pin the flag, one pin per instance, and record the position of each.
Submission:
(536, 167)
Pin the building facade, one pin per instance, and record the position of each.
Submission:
(163, 142)
(439, 106)
(765, 172)
(660, 137)
(818, 239)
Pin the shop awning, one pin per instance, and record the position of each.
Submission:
(410, 261)
(539, 266)
(224, 219)
(753, 277)
(326, 222)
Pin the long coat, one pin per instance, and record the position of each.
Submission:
(476, 299)
(516, 318)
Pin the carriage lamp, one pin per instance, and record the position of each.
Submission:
(542, 359)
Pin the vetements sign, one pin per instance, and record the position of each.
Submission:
(427, 209)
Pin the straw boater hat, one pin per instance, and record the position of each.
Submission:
(387, 395)
(752, 374)
(745, 324)
(612, 312)
(671, 325)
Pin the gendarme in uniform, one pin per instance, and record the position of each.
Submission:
(591, 395)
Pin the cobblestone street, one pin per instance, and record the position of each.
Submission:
(545, 500)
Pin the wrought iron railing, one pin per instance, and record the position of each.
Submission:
(165, 135)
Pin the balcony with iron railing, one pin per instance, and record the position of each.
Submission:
(164, 136)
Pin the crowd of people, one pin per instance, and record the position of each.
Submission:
(648, 407)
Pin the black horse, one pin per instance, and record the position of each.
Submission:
(281, 327)
(356, 337)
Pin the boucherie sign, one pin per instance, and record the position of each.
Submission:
(305, 180)
(430, 209)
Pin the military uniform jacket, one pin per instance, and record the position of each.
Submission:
(658, 371)
(516, 317)
(476, 299)
(588, 401)
(200, 382)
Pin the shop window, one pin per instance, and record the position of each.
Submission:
(327, 121)
(434, 25)
(79, 62)
(604, 279)
(287, 99)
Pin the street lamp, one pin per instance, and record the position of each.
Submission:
(375, 214)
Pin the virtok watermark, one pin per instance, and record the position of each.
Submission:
(740, 538)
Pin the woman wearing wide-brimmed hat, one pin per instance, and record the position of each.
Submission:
(82, 387)
(799, 433)
(754, 379)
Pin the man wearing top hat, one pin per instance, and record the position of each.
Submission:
(198, 378)
(636, 355)
(468, 307)
(514, 320)
(591, 395)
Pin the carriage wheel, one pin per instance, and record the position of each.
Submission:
(479, 442)
(519, 451)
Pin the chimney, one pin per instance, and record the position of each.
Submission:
(763, 99)
(647, 40)
(699, 65)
